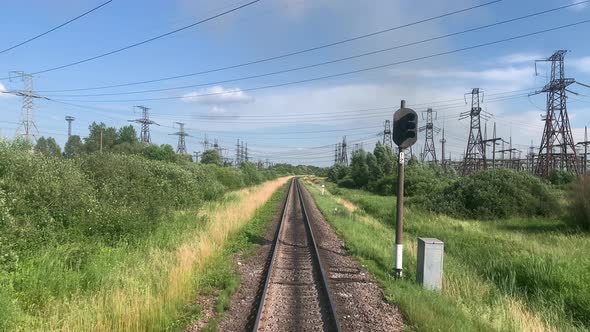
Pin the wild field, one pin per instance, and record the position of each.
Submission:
(112, 242)
(512, 274)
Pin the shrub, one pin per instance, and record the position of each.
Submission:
(579, 207)
(559, 177)
(493, 194)
(385, 186)
(251, 175)
(230, 177)
(420, 180)
(105, 197)
(347, 182)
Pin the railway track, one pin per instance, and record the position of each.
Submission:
(295, 294)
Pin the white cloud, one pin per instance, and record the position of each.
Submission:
(518, 58)
(218, 95)
(579, 7)
(217, 110)
(582, 64)
(507, 74)
(2, 94)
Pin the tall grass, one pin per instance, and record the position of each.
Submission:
(580, 203)
(141, 286)
(519, 274)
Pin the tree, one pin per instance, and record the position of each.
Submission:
(359, 169)
(48, 147)
(127, 134)
(128, 148)
(251, 175)
(211, 157)
(92, 143)
(375, 172)
(73, 147)
(385, 159)
(164, 152)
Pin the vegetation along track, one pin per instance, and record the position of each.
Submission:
(295, 294)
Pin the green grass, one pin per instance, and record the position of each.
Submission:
(514, 274)
(77, 270)
(144, 285)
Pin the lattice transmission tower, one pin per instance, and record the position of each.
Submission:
(181, 146)
(585, 143)
(343, 158)
(557, 148)
(27, 127)
(145, 122)
(429, 152)
(443, 141)
(239, 158)
(387, 140)
(475, 156)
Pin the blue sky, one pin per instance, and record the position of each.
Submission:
(296, 123)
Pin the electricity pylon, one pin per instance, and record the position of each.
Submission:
(145, 122)
(430, 129)
(181, 147)
(475, 157)
(557, 134)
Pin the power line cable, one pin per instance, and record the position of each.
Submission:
(55, 28)
(349, 72)
(278, 56)
(326, 62)
(310, 117)
(145, 41)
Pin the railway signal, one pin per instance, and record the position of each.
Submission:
(405, 126)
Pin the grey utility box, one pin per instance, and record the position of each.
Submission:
(429, 266)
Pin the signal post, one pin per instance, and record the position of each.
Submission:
(405, 125)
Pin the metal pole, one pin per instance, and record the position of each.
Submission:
(399, 220)
(585, 150)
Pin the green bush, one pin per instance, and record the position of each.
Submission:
(47, 201)
(420, 180)
(251, 175)
(230, 177)
(347, 182)
(491, 194)
(385, 186)
(579, 207)
(559, 177)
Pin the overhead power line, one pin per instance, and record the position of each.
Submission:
(146, 41)
(348, 72)
(282, 55)
(388, 49)
(319, 116)
(55, 28)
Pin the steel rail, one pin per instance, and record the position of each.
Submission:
(316, 259)
(272, 259)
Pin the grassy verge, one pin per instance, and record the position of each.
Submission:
(139, 287)
(514, 275)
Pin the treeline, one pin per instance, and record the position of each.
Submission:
(377, 173)
(490, 194)
(123, 140)
(50, 198)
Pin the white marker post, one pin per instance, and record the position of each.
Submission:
(399, 222)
